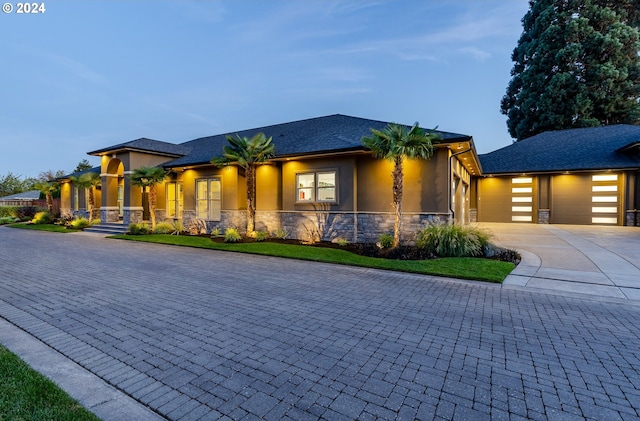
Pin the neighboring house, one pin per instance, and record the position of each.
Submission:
(27, 198)
(322, 181)
(576, 176)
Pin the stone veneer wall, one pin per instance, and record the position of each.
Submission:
(543, 216)
(360, 227)
(633, 218)
(473, 216)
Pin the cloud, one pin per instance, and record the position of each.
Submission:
(76, 68)
(476, 53)
(487, 26)
(202, 11)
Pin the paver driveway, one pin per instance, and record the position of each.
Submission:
(197, 334)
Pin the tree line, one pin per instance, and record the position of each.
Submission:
(576, 65)
(11, 183)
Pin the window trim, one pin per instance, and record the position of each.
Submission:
(316, 188)
(208, 200)
(178, 202)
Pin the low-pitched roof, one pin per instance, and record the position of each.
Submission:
(145, 145)
(329, 134)
(79, 173)
(584, 149)
(25, 195)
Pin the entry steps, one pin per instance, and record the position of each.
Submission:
(112, 228)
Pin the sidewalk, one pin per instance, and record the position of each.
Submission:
(593, 260)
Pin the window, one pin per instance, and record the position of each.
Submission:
(76, 198)
(174, 200)
(209, 199)
(316, 187)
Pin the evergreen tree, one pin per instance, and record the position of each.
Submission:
(576, 65)
(83, 165)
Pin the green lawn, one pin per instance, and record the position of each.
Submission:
(454, 267)
(27, 395)
(41, 227)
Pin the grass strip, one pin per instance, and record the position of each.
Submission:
(454, 267)
(42, 227)
(27, 395)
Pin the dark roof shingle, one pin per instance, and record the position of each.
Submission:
(329, 134)
(146, 145)
(592, 148)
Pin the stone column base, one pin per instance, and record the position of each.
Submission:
(543, 216)
(109, 214)
(132, 215)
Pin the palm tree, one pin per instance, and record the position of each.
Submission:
(48, 188)
(89, 181)
(247, 153)
(395, 143)
(149, 177)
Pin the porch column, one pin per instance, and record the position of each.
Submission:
(132, 206)
(109, 206)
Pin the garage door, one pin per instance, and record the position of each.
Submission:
(584, 199)
(506, 199)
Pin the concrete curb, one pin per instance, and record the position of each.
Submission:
(93, 393)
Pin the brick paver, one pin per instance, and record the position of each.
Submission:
(205, 335)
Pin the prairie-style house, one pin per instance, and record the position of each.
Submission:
(322, 181)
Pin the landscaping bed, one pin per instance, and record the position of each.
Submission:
(404, 252)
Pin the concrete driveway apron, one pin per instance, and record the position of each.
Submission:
(594, 260)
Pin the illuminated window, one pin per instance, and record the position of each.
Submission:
(521, 208)
(316, 187)
(522, 180)
(521, 190)
(521, 218)
(604, 199)
(604, 209)
(209, 199)
(524, 199)
(604, 220)
(607, 177)
(604, 188)
(174, 200)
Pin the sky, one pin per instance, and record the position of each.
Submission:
(84, 75)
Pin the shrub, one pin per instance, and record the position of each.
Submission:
(164, 228)
(8, 211)
(281, 234)
(26, 212)
(215, 232)
(139, 229)
(493, 251)
(80, 223)
(450, 240)
(261, 235)
(197, 227)
(231, 235)
(340, 241)
(385, 241)
(258, 235)
(42, 217)
(7, 220)
(178, 227)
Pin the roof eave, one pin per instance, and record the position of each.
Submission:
(102, 152)
(557, 171)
